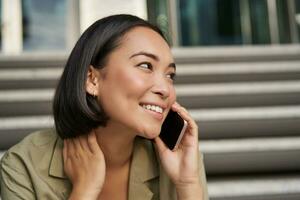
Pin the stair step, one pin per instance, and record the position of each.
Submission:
(30, 74)
(239, 68)
(247, 122)
(251, 155)
(257, 113)
(26, 102)
(264, 187)
(241, 72)
(33, 60)
(10, 109)
(249, 119)
(26, 95)
(29, 78)
(28, 84)
(224, 54)
(238, 88)
(13, 129)
(239, 94)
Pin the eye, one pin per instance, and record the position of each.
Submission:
(171, 76)
(146, 65)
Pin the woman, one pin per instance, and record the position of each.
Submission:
(115, 91)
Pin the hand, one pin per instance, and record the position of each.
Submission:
(84, 164)
(181, 165)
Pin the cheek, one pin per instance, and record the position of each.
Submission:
(134, 84)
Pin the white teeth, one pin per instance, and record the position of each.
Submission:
(153, 108)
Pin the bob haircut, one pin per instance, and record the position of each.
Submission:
(75, 111)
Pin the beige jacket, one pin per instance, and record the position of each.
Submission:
(33, 169)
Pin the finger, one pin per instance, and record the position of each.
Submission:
(160, 145)
(177, 106)
(191, 124)
(187, 117)
(76, 144)
(74, 152)
(181, 110)
(92, 142)
(84, 143)
(183, 113)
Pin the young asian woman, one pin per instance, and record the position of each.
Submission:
(112, 98)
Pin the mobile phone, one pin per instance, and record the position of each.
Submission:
(172, 130)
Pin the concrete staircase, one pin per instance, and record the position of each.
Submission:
(246, 101)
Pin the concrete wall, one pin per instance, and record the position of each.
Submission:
(92, 10)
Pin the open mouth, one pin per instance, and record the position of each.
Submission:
(153, 108)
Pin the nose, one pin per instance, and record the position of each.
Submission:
(161, 87)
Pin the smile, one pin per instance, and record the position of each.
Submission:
(154, 108)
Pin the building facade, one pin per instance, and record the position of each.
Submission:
(42, 25)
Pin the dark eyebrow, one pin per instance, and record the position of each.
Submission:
(143, 53)
(150, 55)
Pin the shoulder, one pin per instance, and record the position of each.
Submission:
(31, 148)
(24, 169)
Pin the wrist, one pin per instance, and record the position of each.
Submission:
(190, 191)
(81, 193)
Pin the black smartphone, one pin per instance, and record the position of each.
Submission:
(172, 130)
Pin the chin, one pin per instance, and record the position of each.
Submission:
(150, 133)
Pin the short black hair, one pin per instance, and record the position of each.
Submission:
(75, 111)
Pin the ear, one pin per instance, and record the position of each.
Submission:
(92, 81)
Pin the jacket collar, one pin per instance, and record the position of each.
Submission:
(144, 168)
(56, 168)
(144, 162)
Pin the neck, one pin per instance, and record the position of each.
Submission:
(116, 143)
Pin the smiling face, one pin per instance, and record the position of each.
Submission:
(135, 87)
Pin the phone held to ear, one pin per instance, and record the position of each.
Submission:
(172, 130)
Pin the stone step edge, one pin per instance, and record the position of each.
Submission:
(240, 88)
(26, 95)
(30, 74)
(254, 185)
(246, 113)
(238, 68)
(25, 122)
(236, 53)
(259, 144)
(34, 60)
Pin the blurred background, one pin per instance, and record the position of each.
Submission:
(238, 74)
